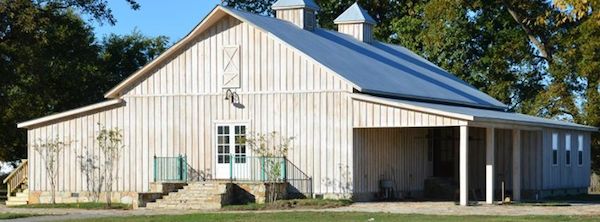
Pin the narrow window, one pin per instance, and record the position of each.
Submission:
(568, 149)
(580, 150)
(554, 148)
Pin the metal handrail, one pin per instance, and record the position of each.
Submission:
(16, 177)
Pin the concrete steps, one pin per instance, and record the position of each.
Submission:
(20, 198)
(196, 196)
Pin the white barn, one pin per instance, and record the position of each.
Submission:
(365, 116)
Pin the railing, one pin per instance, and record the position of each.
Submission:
(16, 177)
(271, 169)
(241, 168)
(170, 169)
(251, 168)
(300, 184)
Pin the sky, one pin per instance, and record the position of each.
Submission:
(172, 18)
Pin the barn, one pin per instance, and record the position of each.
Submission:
(370, 121)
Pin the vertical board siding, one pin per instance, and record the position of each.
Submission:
(371, 114)
(167, 114)
(397, 154)
(560, 175)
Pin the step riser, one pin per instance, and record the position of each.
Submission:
(199, 196)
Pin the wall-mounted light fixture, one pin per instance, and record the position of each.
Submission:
(232, 96)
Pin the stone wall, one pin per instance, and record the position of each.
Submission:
(37, 197)
(250, 192)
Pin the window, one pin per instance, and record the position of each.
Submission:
(568, 149)
(554, 148)
(580, 150)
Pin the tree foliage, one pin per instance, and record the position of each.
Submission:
(50, 61)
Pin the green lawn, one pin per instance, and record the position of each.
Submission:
(329, 216)
(89, 206)
(6, 216)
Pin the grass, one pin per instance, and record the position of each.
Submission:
(292, 204)
(88, 206)
(337, 216)
(6, 216)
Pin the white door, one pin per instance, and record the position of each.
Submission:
(231, 152)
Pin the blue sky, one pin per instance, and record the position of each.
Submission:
(174, 18)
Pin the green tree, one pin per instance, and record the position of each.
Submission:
(50, 61)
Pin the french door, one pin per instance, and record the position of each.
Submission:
(231, 151)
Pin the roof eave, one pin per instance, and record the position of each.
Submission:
(535, 124)
(58, 116)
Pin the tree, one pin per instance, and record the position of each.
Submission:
(110, 142)
(49, 151)
(50, 61)
(272, 149)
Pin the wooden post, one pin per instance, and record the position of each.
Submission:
(489, 165)
(516, 170)
(464, 165)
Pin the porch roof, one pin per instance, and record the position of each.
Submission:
(475, 114)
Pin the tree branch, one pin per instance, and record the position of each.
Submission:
(544, 51)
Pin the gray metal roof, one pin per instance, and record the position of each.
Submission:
(283, 4)
(494, 115)
(376, 68)
(355, 14)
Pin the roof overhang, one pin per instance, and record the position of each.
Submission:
(68, 114)
(474, 118)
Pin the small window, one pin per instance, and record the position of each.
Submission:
(580, 150)
(568, 149)
(554, 148)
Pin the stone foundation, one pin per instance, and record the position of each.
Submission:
(37, 197)
(252, 192)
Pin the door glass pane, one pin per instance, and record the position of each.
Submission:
(240, 144)
(223, 144)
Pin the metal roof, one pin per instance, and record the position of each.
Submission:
(375, 68)
(355, 14)
(283, 4)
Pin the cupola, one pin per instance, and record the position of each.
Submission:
(300, 12)
(357, 22)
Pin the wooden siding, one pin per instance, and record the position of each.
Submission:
(293, 15)
(561, 175)
(173, 111)
(369, 114)
(267, 66)
(397, 154)
(360, 31)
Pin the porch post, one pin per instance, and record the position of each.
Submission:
(489, 165)
(463, 165)
(516, 154)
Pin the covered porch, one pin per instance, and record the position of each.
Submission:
(408, 148)
(453, 163)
